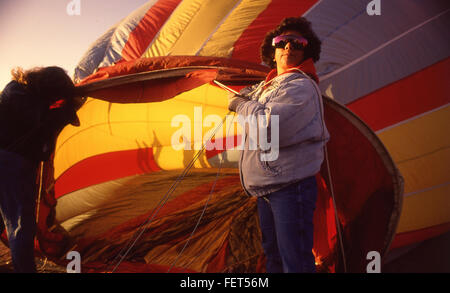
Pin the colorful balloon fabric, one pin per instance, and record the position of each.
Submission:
(152, 104)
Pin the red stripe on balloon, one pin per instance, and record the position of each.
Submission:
(115, 165)
(407, 238)
(418, 93)
(227, 144)
(248, 44)
(105, 167)
(141, 37)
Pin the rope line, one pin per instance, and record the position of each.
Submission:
(143, 227)
(338, 223)
(209, 197)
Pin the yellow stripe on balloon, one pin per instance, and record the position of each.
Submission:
(425, 209)
(221, 43)
(426, 171)
(189, 26)
(421, 150)
(109, 128)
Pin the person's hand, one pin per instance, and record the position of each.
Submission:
(235, 100)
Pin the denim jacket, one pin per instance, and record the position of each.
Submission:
(302, 133)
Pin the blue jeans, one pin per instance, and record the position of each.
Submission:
(17, 208)
(286, 222)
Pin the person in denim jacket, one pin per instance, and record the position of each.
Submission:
(283, 177)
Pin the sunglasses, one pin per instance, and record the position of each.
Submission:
(297, 42)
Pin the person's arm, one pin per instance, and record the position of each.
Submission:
(295, 104)
(244, 96)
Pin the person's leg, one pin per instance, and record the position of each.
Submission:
(22, 231)
(17, 205)
(308, 195)
(269, 239)
(293, 209)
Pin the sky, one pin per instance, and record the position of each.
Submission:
(42, 33)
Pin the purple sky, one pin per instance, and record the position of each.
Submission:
(41, 33)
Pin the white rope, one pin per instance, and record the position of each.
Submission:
(41, 185)
(143, 227)
(338, 224)
(210, 194)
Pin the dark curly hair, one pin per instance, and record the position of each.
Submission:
(298, 24)
(50, 83)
